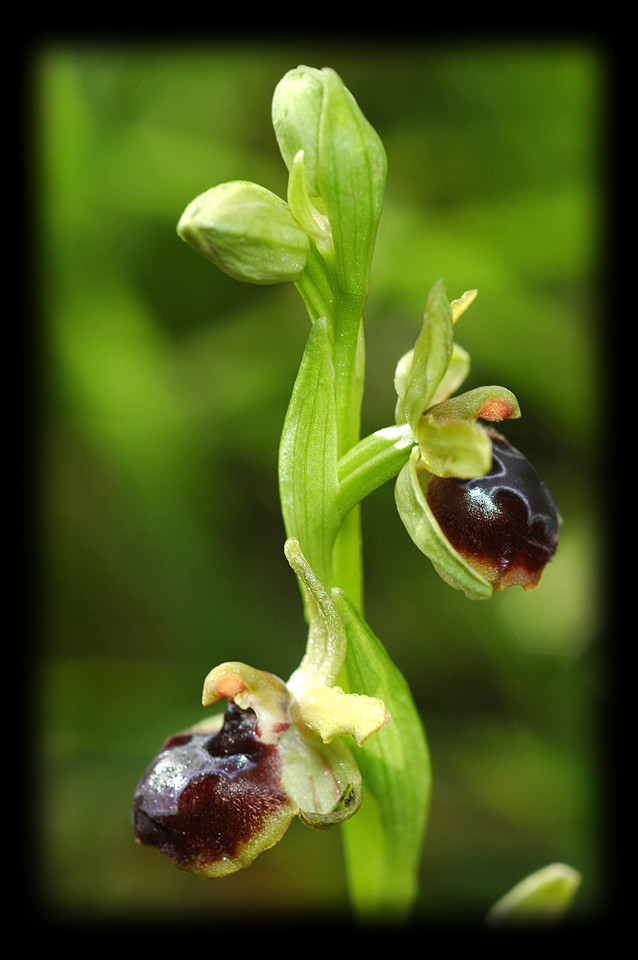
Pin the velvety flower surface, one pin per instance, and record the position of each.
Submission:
(212, 801)
(222, 792)
(505, 523)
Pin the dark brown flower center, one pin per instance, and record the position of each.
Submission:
(205, 797)
(505, 524)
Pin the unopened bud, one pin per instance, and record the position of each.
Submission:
(247, 231)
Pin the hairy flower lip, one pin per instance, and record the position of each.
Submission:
(213, 802)
(505, 524)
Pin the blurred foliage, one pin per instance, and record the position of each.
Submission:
(161, 387)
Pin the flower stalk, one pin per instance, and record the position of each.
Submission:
(342, 735)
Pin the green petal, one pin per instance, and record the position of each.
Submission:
(455, 449)
(483, 403)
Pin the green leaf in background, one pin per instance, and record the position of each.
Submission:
(395, 765)
(541, 899)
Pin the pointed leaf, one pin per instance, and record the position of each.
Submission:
(395, 765)
(351, 175)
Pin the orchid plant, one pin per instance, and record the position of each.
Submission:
(341, 741)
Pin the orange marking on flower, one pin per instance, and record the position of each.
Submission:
(230, 686)
(495, 409)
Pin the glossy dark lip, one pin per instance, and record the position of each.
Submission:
(205, 796)
(505, 523)
(512, 473)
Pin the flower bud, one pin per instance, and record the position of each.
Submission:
(296, 113)
(320, 127)
(247, 231)
(505, 524)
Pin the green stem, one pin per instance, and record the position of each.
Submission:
(348, 350)
(327, 470)
(315, 287)
(349, 373)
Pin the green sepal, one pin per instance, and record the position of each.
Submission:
(430, 359)
(454, 376)
(457, 371)
(425, 532)
(395, 765)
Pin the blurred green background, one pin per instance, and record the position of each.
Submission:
(161, 391)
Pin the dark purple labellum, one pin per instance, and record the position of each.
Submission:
(504, 524)
(212, 802)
